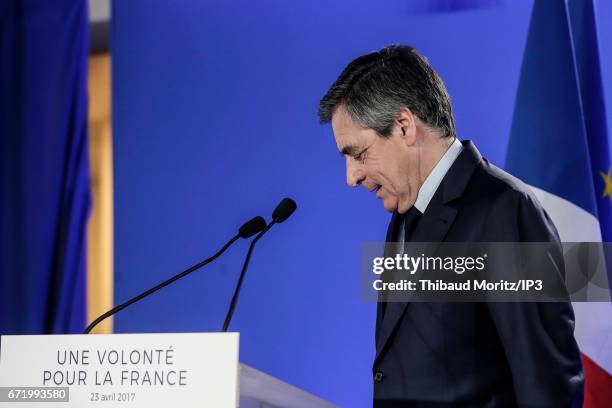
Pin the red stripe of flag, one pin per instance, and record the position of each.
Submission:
(597, 386)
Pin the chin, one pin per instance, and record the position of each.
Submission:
(404, 209)
(390, 206)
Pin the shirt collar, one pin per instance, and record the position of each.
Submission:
(433, 180)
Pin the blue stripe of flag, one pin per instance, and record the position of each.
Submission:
(548, 145)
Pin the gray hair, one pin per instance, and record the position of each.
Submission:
(374, 87)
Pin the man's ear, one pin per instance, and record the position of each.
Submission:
(406, 126)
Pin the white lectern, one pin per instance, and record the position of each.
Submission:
(260, 390)
(139, 370)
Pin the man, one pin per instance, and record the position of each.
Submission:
(392, 120)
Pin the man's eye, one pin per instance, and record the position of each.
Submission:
(359, 156)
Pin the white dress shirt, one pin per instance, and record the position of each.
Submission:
(432, 182)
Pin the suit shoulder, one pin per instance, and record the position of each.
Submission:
(501, 186)
(511, 202)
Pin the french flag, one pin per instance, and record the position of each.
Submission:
(559, 146)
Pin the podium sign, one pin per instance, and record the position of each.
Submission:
(120, 370)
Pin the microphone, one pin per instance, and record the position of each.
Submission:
(252, 227)
(283, 210)
(248, 229)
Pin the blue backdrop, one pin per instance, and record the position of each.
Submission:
(214, 109)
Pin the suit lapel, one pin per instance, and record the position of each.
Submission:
(390, 247)
(433, 227)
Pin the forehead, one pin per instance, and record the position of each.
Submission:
(348, 134)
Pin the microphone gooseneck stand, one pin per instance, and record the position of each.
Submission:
(248, 229)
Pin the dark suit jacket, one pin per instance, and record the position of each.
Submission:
(478, 354)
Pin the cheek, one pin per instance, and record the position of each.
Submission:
(397, 183)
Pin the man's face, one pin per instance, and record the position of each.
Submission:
(387, 167)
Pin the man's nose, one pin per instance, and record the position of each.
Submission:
(354, 173)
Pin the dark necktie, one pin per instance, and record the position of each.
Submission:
(411, 220)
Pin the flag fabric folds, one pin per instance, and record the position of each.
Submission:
(44, 172)
(559, 145)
